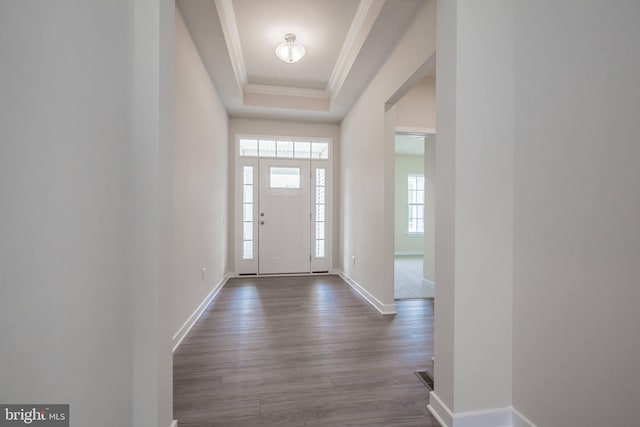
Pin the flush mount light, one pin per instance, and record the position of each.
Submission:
(290, 51)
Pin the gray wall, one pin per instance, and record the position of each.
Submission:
(577, 213)
(85, 180)
(200, 186)
(65, 310)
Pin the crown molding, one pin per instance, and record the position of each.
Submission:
(363, 21)
(286, 91)
(365, 17)
(232, 38)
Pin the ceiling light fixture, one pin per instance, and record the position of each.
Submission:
(290, 51)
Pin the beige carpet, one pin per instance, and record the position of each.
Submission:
(408, 278)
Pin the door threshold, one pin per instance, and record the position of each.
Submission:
(314, 273)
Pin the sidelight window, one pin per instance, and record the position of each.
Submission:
(321, 204)
(247, 212)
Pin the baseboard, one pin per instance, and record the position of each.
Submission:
(500, 417)
(439, 410)
(188, 324)
(429, 287)
(174, 423)
(520, 420)
(409, 253)
(385, 309)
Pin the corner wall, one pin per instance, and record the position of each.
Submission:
(474, 213)
(200, 183)
(366, 177)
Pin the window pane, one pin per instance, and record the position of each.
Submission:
(320, 213)
(320, 195)
(320, 177)
(285, 149)
(248, 175)
(320, 150)
(415, 196)
(248, 147)
(270, 147)
(248, 194)
(248, 212)
(320, 230)
(248, 231)
(284, 178)
(319, 248)
(247, 250)
(411, 182)
(302, 150)
(267, 148)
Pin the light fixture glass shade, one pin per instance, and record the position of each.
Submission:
(290, 51)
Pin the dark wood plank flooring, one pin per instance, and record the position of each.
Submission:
(298, 351)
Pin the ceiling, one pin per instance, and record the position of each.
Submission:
(410, 145)
(346, 42)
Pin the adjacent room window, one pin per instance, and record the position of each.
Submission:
(247, 212)
(321, 225)
(416, 204)
(283, 148)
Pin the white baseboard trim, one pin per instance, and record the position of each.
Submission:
(409, 253)
(439, 410)
(188, 324)
(520, 420)
(430, 288)
(385, 309)
(174, 423)
(500, 417)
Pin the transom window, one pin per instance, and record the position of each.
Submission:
(284, 148)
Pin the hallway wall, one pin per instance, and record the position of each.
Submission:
(577, 213)
(417, 108)
(65, 176)
(200, 181)
(366, 158)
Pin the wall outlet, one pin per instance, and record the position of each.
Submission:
(204, 273)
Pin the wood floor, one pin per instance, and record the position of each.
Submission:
(299, 351)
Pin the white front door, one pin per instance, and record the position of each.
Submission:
(284, 219)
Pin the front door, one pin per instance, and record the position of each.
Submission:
(284, 220)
